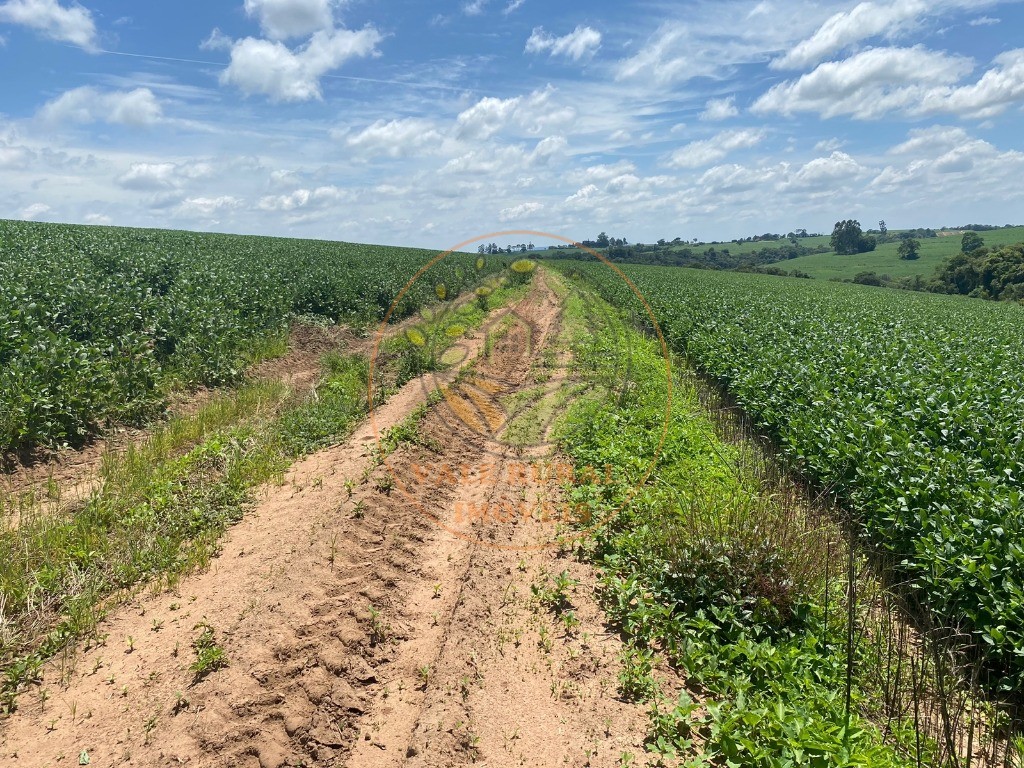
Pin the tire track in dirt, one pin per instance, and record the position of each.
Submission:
(490, 676)
(358, 630)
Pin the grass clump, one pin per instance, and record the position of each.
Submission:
(209, 655)
(522, 271)
(340, 399)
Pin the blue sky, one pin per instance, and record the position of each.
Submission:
(418, 123)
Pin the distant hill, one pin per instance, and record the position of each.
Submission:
(884, 261)
(804, 257)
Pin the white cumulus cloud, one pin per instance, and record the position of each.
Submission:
(138, 107)
(826, 172)
(931, 139)
(206, 206)
(942, 157)
(495, 160)
(732, 178)
(997, 89)
(602, 172)
(487, 117)
(304, 199)
(148, 177)
(71, 24)
(720, 109)
(154, 177)
(395, 138)
(867, 85)
(848, 27)
(915, 81)
(518, 212)
(708, 151)
(531, 113)
(548, 148)
(583, 195)
(582, 41)
(35, 211)
(272, 69)
(283, 19)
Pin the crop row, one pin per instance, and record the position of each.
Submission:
(909, 406)
(98, 323)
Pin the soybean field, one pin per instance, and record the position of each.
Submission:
(791, 535)
(909, 407)
(97, 324)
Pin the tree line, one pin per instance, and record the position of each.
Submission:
(684, 253)
(494, 248)
(983, 272)
(977, 270)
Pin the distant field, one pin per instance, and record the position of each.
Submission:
(884, 260)
(734, 248)
(745, 248)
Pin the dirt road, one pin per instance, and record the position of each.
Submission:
(373, 611)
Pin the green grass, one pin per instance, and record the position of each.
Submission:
(710, 565)
(425, 346)
(746, 248)
(535, 411)
(209, 655)
(158, 513)
(884, 261)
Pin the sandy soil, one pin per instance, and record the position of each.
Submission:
(373, 612)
